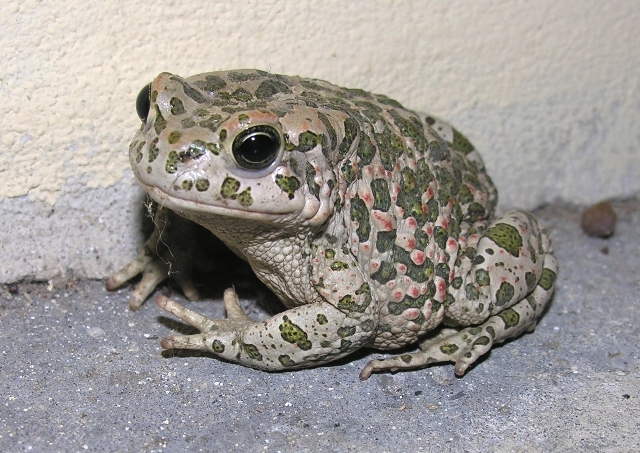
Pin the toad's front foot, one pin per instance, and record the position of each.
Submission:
(213, 332)
(168, 252)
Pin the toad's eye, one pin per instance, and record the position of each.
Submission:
(143, 102)
(256, 147)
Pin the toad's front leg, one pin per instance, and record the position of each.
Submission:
(301, 337)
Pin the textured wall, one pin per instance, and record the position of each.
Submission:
(549, 91)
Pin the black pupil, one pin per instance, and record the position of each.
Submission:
(143, 102)
(257, 147)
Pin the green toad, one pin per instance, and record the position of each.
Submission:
(373, 224)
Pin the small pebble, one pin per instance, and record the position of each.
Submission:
(599, 220)
(14, 289)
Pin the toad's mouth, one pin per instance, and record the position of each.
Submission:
(204, 207)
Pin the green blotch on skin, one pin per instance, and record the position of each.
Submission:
(286, 361)
(449, 349)
(547, 279)
(211, 83)
(325, 344)
(510, 317)
(472, 292)
(534, 258)
(171, 165)
(441, 235)
(386, 149)
(482, 277)
(350, 134)
(153, 150)
(288, 184)
(242, 95)
(190, 91)
(244, 197)
(461, 143)
(160, 123)
(411, 128)
(385, 240)
(308, 140)
(270, 88)
(397, 308)
(330, 254)
(475, 330)
(422, 239)
(209, 122)
(439, 151)
(154, 96)
(310, 174)
(195, 150)
(344, 332)
(339, 266)
(217, 346)
(491, 331)
(138, 157)
(333, 137)
(505, 293)
(322, 319)
(406, 358)
(345, 345)
(482, 341)
(506, 236)
(222, 135)
(366, 151)
(402, 256)
(443, 270)
(292, 333)
(360, 214)
(449, 300)
(252, 352)
(187, 184)
(433, 209)
(174, 136)
(421, 273)
(381, 195)
(349, 172)
(385, 273)
(229, 188)
(456, 283)
(177, 107)
(202, 185)
(478, 260)
(367, 326)
(214, 148)
(348, 303)
(475, 211)
(246, 76)
(530, 279)
(465, 195)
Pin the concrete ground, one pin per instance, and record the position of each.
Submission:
(80, 372)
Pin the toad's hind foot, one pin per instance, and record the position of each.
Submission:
(462, 347)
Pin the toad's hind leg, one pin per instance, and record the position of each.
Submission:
(465, 346)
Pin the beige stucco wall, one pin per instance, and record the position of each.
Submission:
(548, 90)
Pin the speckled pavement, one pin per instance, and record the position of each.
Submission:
(80, 372)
